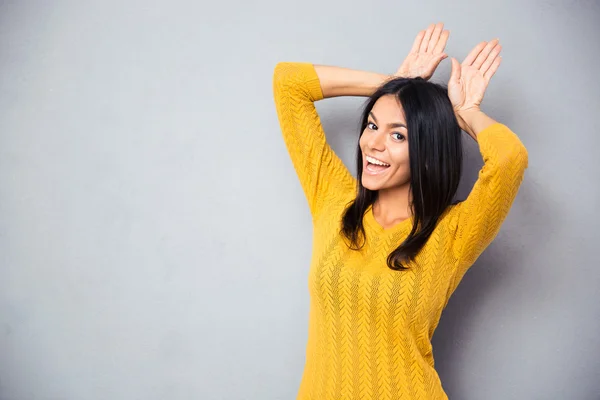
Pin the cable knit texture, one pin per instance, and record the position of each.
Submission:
(370, 327)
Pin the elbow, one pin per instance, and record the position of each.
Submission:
(514, 163)
(520, 157)
(520, 154)
(278, 73)
(524, 157)
(513, 152)
(282, 73)
(516, 158)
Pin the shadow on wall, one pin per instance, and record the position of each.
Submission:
(341, 122)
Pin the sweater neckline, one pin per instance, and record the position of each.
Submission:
(372, 222)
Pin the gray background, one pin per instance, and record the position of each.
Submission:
(154, 239)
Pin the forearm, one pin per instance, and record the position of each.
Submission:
(338, 81)
(473, 122)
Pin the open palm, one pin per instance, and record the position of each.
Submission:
(426, 54)
(470, 79)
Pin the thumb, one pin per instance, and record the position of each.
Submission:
(435, 62)
(440, 57)
(455, 74)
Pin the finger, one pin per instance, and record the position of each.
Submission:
(490, 72)
(456, 72)
(484, 53)
(435, 37)
(441, 44)
(417, 42)
(426, 38)
(490, 58)
(473, 54)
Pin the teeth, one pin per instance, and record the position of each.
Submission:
(376, 161)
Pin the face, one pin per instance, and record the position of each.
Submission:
(385, 141)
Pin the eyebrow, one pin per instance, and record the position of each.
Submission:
(392, 125)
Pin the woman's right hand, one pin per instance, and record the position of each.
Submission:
(426, 54)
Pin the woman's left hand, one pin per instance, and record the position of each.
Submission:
(426, 54)
(469, 80)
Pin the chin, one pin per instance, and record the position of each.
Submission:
(375, 183)
(371, 184)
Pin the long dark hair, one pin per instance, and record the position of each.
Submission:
(435, 152)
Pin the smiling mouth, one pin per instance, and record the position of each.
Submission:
(375, 169)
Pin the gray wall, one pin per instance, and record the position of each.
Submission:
(154, 239)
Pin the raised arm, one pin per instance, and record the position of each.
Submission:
(479, 217)
(487, 206)
(322, 175)
(296, 86)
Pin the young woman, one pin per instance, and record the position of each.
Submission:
(391, 246)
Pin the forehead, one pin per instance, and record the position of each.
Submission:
(388, 108)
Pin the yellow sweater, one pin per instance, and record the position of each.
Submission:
(370, 327)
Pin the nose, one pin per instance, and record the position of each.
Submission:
(377, 141)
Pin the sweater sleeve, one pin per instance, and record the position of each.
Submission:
(321, 172)
(480, 216)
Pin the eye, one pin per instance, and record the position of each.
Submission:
(399, 137)
(371, 126)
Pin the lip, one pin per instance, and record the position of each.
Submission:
(368, 155)
(366, 170)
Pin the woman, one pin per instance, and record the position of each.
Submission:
(390, 246)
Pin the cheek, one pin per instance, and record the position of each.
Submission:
(402, 172)
(402, 161)
(361, 142)
(401, 157)
(362, 149)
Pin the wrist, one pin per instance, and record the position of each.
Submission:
(473, 121)
(468, 114)
(401, 73)
(466, 117)
(408, 73)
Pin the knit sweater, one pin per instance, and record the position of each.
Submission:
(370, 327)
